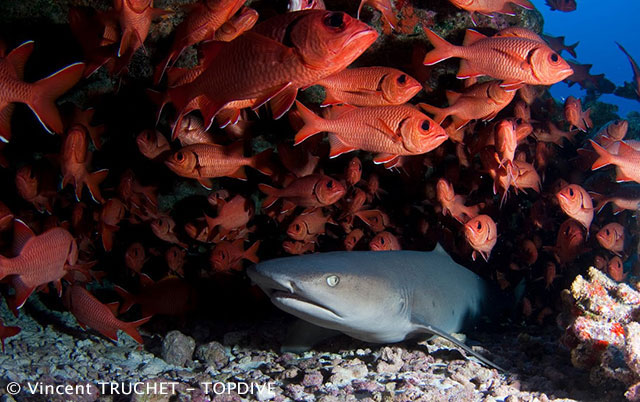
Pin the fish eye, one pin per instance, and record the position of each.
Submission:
(334, 20)
(402, 79)
(330, 184)
(518, 121)
(180, 156)
(571, 192)
(297, 226)
(382, 240)
(479, 226)
(554, 58)
(333, 280)
(607, 232)
(425, 125)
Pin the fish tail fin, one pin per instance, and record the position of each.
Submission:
(526, 4)
(159, 99)
(128, 299)
(47, 90)
(161, 68)
(439, 114)
(131, 328)
(572, 49)
(312, 123)
(262, 162)
(586, 119)
(604, 157)
(443, 49)
(271, 192)
(93, 184)
(180, 97)
(250, 254)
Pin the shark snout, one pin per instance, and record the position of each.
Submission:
(269, 283)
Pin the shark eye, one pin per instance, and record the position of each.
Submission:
(333, 280)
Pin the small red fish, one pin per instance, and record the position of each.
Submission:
(375, 219)
(389, 131)
(623, 198)
(152, 143)
(575, 116)
(200, 24)
(307, 227)
(549, 274)
(112, 213)
(570, 240)
(75, 159)
(191, 130)
(353, 172)
(506, 141)
(168, 296)
(482, 234)
(40, 96)
(85, 118)
(38, 260)
(298, 247)
(385, 8)
(205, 161)
(369, 86)
(228, 256)
(233, 214)
(634, 66)
(480, 101)
(488, 7)
(312, 191)
(134, 257)
(615, 269)
(529, 252)
(30, 186)
(384, 241)
(164, 229)
(175, 257)
(453, 204)
(515, 60)
(352, 239)
(7, 332)
(611, 237)
(90, 312)
(627, 161)
(576, 202)
(613, 131)
(562, 5)
(243, 21)
(557, 44)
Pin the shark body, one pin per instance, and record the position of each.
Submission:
(382, 296)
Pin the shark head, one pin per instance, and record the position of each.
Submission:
(333, 290)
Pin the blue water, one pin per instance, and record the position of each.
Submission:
(598, 25)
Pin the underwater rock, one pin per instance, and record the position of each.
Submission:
(177, 348)
(213, 354)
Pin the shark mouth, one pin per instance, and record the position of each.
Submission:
(283, 294)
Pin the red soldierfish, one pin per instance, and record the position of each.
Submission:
(254, 66)
(312, 191)
(134, 257)
(227, 256)
(152, 143)
(164, 229)
(307, 227)
(75, 158)
(562, 5)
(40, 96)
(352, 239)
(480, 101)
(488, 7)
(375, 219)
(201, 24)
(369, 86)
(482, 234)
(90, 312)
(385, 8)
(557, 44)
(243, 21)
(514, 59)
(168, 296)
(627, 161)
(576, 202)
(7, 332)
(615, 269)
(575, 116)
(112, 213)
(384, 241)
(38, 259)
(611, 237)
(453, 204)
(389, 131)
(232, 214)
(205, 161)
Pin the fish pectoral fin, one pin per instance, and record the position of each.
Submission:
(282, 102)
(511, 85)
(271, 93)
(21, 234)
(206, 183)
(384, 128)
(384, 158)
(436, 331)
(467, 71)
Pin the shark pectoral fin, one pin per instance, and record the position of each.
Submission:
(435, 331)
(303, 335)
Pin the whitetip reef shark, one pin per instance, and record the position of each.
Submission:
(382, 296)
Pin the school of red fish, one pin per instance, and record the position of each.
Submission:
(513, 184)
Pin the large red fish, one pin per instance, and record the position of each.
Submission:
(480, 101)
(488, 7)
(90, 312)
(255, 66)
(627, 161)
(38, 259)
(202, 22)
(369, 86)
(389, 131)
(562, 5)
(168, 296)
(40, 96)
(514, 59)
(206, 161)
